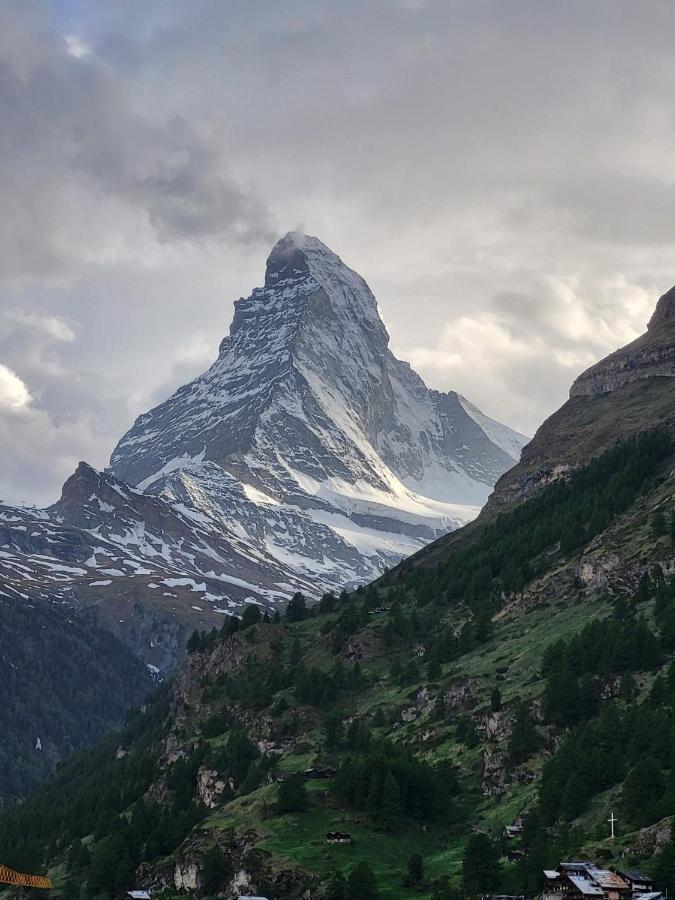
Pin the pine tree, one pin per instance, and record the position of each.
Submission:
(334, 730)
(296, 610)
(361, 884)
(480, 866)
(292, 795)
(217, 868)
(251, 615)
(643, 792)
(575, 797)
(337, 887)
(523, 740)
(389, 815)
(415, 869)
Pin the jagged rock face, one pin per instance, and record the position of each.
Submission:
(652, 354)
(308, 434)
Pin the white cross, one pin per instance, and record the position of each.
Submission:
(611, 821)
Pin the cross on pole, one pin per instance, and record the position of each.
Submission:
(611, 821)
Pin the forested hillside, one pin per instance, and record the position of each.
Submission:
(65, 683)
(415, 718)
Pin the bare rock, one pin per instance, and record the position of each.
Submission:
(186, 875)
(422, 698)
(209, 787)
(459, 696)
(654, 837)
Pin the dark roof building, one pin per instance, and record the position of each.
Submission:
(582, 880)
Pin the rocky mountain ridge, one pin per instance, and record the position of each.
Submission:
(610, 401)
(649, 356)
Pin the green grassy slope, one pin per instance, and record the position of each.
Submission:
(407, 662)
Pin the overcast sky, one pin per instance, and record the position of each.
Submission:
(501, 173)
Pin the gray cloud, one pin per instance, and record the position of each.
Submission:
(501, 174)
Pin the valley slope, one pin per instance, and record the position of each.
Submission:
(520, 669)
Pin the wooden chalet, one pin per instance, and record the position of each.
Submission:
(582, 880)
(639, 883)
(338, 837)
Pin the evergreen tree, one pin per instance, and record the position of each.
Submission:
(337, 887)
(575, 797)
(643, 792)
(361, 884)
(251, 615)
(296, 610)
(523, 740)
(480, 866)
(292, 795)
(390, 805)
(415, 869)
(334, 730)
(217, 869)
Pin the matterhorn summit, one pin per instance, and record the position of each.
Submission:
(309, 436)
(306, 458)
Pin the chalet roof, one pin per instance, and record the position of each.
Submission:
(551, 874)
(634, 875)
(585, 886)
(605, 878)
(139, 895)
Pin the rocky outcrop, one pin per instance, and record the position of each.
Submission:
(187, 875)
(495, 728)
(628, 391)
(210, 787)
(652, 355)
(654, 837)
(459, 696)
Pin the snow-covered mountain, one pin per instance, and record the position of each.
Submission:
(309, 438)
(307, 457)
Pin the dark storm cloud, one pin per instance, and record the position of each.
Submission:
(501, 173)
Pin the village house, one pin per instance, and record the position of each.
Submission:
(137, 895)
(582, 880)
(338, 837)
(639, 883)
(503, 897)
(315, 774)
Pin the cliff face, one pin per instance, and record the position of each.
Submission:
(629, 391)
(651, 355)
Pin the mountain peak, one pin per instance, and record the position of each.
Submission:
(664, 312)
(290, 257)
(649, 356)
